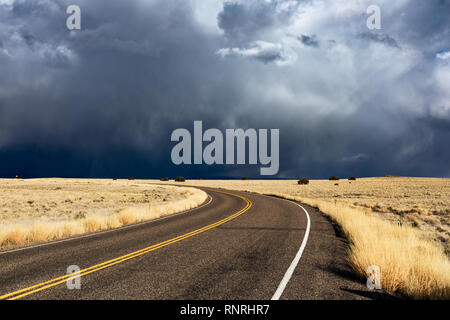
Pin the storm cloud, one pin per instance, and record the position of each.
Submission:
(381, 38)
(102, 101)
(310, 41)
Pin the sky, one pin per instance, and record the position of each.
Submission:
(103, 101)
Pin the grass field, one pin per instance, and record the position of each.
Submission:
(414, 258)
(39, 210)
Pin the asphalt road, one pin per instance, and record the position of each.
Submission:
(237, 246)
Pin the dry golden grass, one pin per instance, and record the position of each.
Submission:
(40, 210)
(412, 258)
(410, 264)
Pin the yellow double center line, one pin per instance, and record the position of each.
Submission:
(59, 280)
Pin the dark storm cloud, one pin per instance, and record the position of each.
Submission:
(310, 41)
(425, 24)
(103, 101)
(380, 38)
(123, 88)
(29, 39)
(247, 20)
(24, 8)
(237, 18)
(115, 81)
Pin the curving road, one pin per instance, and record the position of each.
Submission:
(236, 246)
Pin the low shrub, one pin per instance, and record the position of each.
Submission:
(180, 179)
(303, 181)
(333, 178)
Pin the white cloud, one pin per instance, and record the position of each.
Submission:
(443, 55)
(6, 2)
(260, 50)
(205, 13)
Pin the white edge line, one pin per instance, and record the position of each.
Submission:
(290, 270)
(107, 231)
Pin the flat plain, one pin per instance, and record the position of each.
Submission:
(39, 210)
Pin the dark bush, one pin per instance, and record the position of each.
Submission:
(303, 181)
(131, 178)
(164, 179)
(334, 178)
(244, 178)
(180, 179)
(352, 178)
